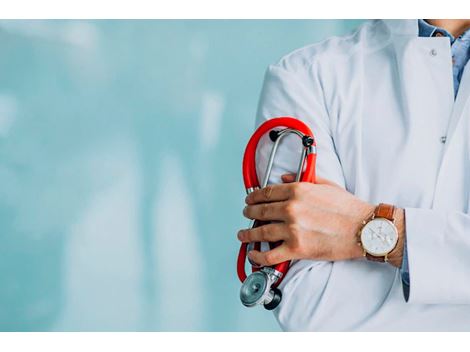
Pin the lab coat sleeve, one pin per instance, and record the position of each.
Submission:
(438, 245)
(297, 93)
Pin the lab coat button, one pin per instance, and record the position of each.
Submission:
(433, 52)
(443, 139)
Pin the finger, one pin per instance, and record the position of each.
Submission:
(270, 193)
(324, 181)
(288, 178)
(265, 233)
(266, 211)
(268, 258)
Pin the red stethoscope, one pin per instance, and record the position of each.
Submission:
(261, 286)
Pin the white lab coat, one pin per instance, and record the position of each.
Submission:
(378, 102)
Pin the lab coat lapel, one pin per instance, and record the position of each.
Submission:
(425, 79)
(454, 173)
(425, 74)
(460, 105)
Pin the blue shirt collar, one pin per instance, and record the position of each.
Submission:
(459, 47)
(428, 30)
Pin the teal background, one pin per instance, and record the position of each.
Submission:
(120, 169)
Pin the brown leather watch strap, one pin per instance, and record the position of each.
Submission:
(386, 211)
(373, 258)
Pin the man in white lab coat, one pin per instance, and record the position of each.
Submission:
(382, 241)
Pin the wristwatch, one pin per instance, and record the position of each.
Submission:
(379, 235)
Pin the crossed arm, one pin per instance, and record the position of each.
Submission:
(315, 221)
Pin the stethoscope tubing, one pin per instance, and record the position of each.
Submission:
(251, 181)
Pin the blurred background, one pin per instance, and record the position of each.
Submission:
(120, 169)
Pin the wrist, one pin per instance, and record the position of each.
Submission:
(395, 257)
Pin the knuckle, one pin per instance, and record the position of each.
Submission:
(295, 190)
(299, 189)
(263, 233)
(264, 211)
(294, 232)
(290, 209)
(267, 192)
(295, 238)
(270, 258)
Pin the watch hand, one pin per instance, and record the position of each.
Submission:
(382, 238)
(378, 235)
(372, 234)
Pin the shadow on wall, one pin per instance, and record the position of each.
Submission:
(120, 154)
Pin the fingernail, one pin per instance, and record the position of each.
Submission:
(240, 235)
(246, 199)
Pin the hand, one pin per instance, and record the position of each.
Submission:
(314, 221)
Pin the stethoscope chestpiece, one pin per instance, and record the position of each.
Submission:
(257, 289)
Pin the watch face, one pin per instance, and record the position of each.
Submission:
(379, 236)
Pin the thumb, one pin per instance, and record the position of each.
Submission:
(288, 178)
